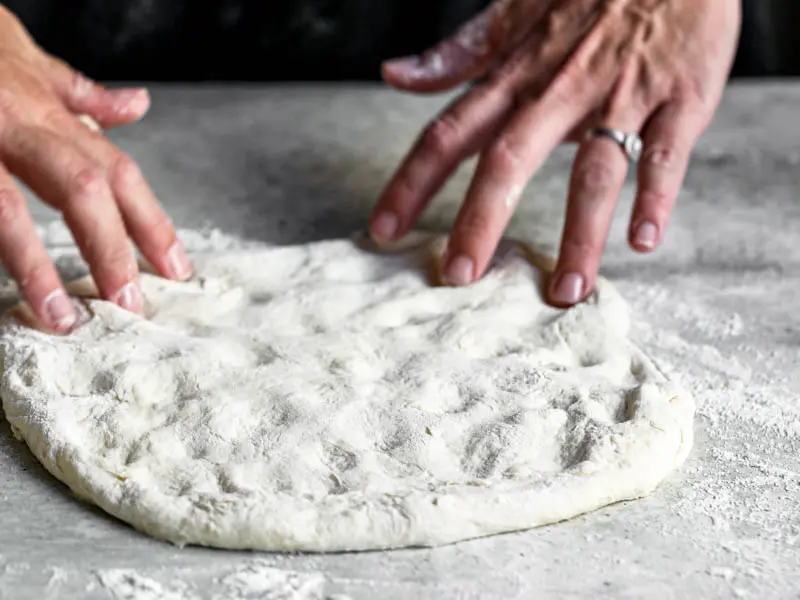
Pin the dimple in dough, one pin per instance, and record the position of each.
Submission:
(327, 397)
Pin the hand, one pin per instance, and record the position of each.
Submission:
(550, 71)
(99, 189)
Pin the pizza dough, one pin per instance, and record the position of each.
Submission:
(327, 397)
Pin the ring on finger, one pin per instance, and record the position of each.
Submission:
(630, 142)
(93, 125)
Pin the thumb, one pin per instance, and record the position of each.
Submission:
(81, 95)
(464, 56)
(468, 54)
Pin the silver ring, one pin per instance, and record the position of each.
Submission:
(631, 143)
(90, 123)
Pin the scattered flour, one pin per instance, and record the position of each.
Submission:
(258, 580)
(745, 462)
(127, 584)
(57, 579)
(744, 493)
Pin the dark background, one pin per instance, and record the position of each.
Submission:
(190, 40)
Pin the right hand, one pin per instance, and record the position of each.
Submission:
(545, 72)
(98, 188)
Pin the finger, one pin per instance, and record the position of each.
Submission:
(469, 53)
(109, 108)
(502, 172)
(597, 178)
(61, 174)
(668, 141)
(145, 220)
(26, 260)
(578, 133)
(456, 134)
(557, 96)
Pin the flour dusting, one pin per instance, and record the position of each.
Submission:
(258, 580)
(58, 578)
(740, 479)
(127, 584)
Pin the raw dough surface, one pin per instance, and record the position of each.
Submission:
(325, 397)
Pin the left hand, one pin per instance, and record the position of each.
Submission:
(552, 70)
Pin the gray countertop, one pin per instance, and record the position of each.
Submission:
(718, 306)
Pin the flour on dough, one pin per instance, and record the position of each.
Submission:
(325, 397)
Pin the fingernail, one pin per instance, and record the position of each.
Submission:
(646, 235)
(179, 261)
(130, 298)
(415, 67)
(568, 289)
(61, 315)
(384, 226)
(460, 270)
(132, 101)
(403, 63)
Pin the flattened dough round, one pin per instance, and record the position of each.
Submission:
(325, 397)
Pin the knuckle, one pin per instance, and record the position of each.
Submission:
(554, 23)
(576, 81)
(88, 183)
(503, 158)
(508, 74)
(594, 179)
(125, 171)
(441, 136)
(663, 157)
(11, 205)
(570, 84)
(695, 97)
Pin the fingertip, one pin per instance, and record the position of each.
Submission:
(644, 237)
(130, 298)
(178, 262)
(429, 73)
(459, 270)
(141, 101)
(402, 67)
(567, 289)
(57, 311)
(130, 104)
(399, 72)
(384, 226)
(118, 107)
